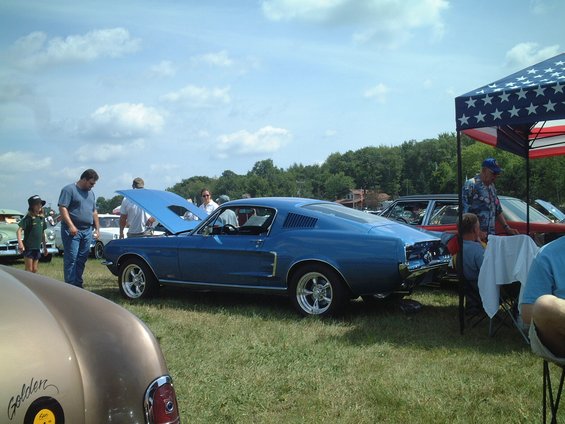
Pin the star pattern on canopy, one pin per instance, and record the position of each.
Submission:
(516, 99)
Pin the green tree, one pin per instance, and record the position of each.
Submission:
(338, 185)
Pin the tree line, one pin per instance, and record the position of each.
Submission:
(414, 167)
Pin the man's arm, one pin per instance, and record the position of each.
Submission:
(509, 230)
(66, 218)
(123, 222)
(96, 223)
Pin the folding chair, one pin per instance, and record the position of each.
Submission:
(554, 398)
(508, 310)
(470, 307)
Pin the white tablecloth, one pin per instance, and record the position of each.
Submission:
(507, 259)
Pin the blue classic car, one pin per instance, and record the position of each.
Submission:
(318, 253)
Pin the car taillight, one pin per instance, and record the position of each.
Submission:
(161, 402)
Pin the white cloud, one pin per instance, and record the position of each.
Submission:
(195, 96)
(19, 162)
(164, 167)
(385, 22)
(330, 133)
(96, 153)
(220, 58)
(164, 69)
(530, 53)
(35, 49)
(265, 140)
(378, 93)
(123, 120)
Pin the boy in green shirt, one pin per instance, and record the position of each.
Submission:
(33, 228)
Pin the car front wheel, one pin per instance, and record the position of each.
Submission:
(136, 280)
(317, 290)
(99, 250)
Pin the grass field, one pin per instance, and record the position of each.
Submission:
(252, 359)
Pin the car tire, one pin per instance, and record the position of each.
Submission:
(99, 250)
(136, 280)
(317, 290)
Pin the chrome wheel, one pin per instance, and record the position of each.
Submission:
(99, 250)
(136, 279)
(318, 290)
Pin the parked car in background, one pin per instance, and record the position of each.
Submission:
(439, 212)
(318, 253)
(71, 356)
(9, 219)
(552, 212)
(109, 230)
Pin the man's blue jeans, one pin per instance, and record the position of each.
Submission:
(76, 253)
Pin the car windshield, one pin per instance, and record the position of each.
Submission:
(552, 210)
(515, 210)
(10, 219)
(344, 212)
(109, 222)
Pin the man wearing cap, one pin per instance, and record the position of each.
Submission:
(77, 206)
(480, 198)
(138, 220)
(31, 234)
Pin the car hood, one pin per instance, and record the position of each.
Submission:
(553, 210)
(52, 346)
(166, 207)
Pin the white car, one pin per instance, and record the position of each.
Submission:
(109, 230)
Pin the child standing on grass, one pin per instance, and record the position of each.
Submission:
(33, 228)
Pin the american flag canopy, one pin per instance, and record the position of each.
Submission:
(523, 113)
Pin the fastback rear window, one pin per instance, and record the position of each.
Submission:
(344, 212)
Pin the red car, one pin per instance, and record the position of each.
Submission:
(438, 212)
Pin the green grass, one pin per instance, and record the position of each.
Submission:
(252, 359)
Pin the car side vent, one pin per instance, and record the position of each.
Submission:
(294, 220)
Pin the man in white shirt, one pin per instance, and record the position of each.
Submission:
(138, 220)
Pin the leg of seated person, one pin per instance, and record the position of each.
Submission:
(549, 317)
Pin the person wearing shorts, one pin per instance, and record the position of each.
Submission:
(543, 302)
(31, 234)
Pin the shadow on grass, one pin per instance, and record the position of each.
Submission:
(434, 326)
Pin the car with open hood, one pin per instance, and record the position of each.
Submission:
(318, 253)
(69, 355)
(439, 212)
(9, 219)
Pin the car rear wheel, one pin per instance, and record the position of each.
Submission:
(99, 250)
(317, 290)
(136, 280)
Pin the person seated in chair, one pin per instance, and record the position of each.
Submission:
(473, 254)
(543, 302)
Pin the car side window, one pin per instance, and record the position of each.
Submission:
(240, 221)
(444, 213)
(409, 212)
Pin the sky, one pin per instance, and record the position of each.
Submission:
(170, 89)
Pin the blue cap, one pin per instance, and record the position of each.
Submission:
(492, 164)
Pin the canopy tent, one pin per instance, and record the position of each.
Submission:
(523, 113)
(513, 112)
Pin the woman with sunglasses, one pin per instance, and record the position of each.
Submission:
(207, 203)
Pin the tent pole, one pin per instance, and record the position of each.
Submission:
(527, 188)
(459, 263)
